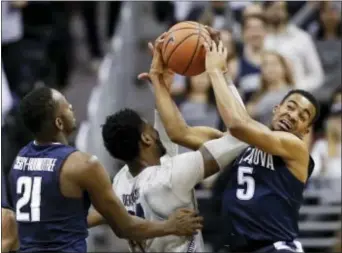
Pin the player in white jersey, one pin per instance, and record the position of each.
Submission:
(155, 180)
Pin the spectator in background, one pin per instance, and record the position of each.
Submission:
(328, 42)
(276, 80)
(89, 10)
(247, 75)
(295, 44)
(12, 31)
(253, 9)
(232, 56)
(326, 152)
(213, 15)
(198, 103)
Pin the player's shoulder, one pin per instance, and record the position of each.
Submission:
(79, 162)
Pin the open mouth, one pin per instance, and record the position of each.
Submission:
(285, 125)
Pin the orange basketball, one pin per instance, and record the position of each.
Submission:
(183, 50)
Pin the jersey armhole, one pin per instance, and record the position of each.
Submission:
(58, 174)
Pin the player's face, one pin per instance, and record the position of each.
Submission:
(65, 118)
(154, 140)
(294, 115)
(254, 32)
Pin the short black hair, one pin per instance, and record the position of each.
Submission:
(309, 97)
(121, 134)
(37, 110)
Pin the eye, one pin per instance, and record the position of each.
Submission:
(290, 107)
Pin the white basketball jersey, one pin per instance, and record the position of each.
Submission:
(158, 191)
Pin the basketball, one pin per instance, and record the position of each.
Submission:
(183, 51)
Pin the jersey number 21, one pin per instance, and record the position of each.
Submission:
(29, 188)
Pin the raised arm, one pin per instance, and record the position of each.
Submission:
(175, 125)
(93, 178)
(240, 124)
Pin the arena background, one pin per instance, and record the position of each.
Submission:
(93, 51)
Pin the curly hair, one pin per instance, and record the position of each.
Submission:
(121, 134)
(37, 110)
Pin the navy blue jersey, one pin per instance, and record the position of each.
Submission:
(47, 221)
(262, 199)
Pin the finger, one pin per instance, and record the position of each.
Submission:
(213, 47)
(144, 76)
(159, 44)
(225, 52)
(198, 227)
(186, 210)
(220, 47)
(206, 47)
(151, 47)
(162, 36)
(198, 219)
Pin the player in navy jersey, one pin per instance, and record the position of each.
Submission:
(52, 186)
(265, 189)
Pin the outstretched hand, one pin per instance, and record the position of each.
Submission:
(158, 67)
(216, 56)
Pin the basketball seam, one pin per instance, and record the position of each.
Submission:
(184, 28)
(194, 52)
(191, 22)
(179, 43)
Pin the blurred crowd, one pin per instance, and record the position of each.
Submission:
(273, 46)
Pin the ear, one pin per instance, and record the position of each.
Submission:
(59, 124)
(275, 109)
(146, 139)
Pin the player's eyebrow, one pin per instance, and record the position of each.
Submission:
(305, 110)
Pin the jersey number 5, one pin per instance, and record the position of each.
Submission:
(30, 189)
(245, 180)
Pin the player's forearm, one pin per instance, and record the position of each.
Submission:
(172, 119)
(9, 231)
(95, 219)
(230, 108)
(140, 229)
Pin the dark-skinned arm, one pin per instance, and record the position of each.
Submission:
(174, 123)
(93, 178)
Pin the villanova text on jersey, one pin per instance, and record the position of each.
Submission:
(47, 221)
(262, 198)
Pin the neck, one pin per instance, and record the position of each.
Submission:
(198, 97)
(44, 140)
(138, 165)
